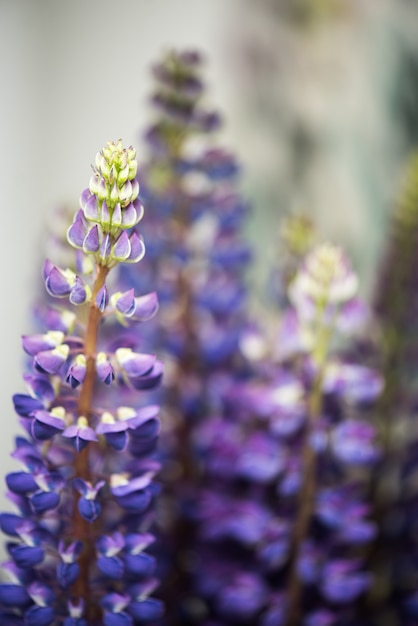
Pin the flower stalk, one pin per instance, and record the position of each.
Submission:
(85, 495)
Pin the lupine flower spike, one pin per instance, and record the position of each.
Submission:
(77, 543)
(197, 264)
(284, 521)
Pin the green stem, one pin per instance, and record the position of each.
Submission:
(306, 499)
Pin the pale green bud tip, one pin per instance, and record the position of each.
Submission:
(326, 276)
(115, 160)
(114, 175)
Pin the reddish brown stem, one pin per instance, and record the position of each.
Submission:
(81, 528)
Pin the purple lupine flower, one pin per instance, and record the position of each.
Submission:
(196, 261)
(82, 466)
(281, 502)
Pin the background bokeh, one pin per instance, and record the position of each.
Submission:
(319, 100)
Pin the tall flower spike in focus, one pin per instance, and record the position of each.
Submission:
(79, 543)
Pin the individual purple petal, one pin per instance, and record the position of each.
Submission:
(130, 215)
(80, 434)
(125, 303)
(32, 344)
(50, 361)
(342, 583)
(147, 610)
(44, 501)
(122, 248)
(137, 542)
(59, 283)
(134, 364)
(111, 566)
(105, 247)
(122, 485)
(80, 293)
(77, 371)
(47, 424)
(26, 556)
(145, 307)
(9, 523)
(14, 595)
(140, 417)
(139, 565)
(102, 298)
(46, 268)
(357, 532)
(39, 616)
(115, 602)
(105, 218)
(353, 442)
(137, 248)
(149, 380)
(132, 495)
(90, 207)
(117, 619)
(104, 368)
(117, 216)
(25, 405)
(67, 574)
(89, 509)
(21, 482)
(114, 431)
(91, 242)
(77, 232)
(84, 196)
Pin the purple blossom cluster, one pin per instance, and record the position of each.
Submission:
(275, 490)
(284, 517)
(196, 261)
(80, 543)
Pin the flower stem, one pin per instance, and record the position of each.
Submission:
(81, 528)
(306, 500)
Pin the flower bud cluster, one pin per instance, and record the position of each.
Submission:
(78, 545)
(177, 96)
(326, 278)
(109, 208)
